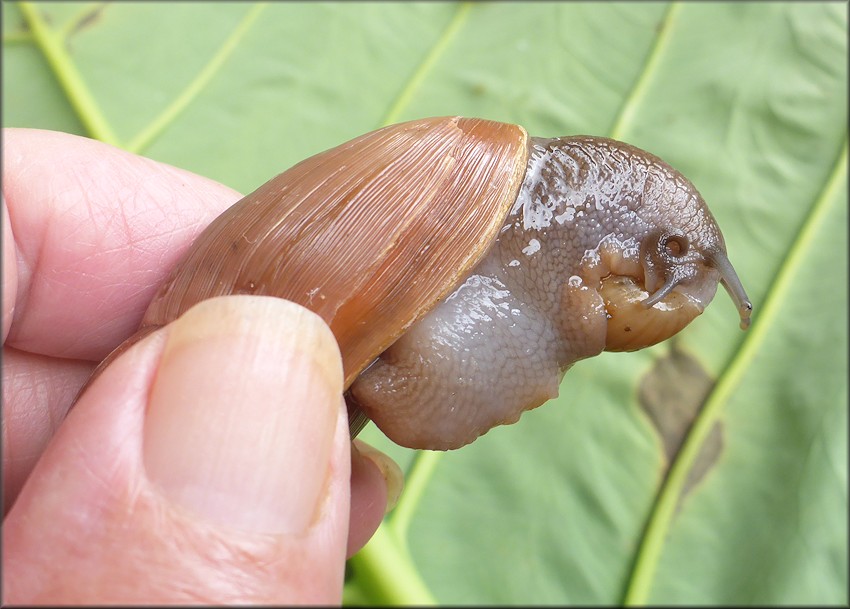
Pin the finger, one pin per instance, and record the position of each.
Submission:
(95, 230)
(10, 273)
(37, 392)
(376, 484)
(181, 476)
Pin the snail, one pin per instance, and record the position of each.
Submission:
(464, 266)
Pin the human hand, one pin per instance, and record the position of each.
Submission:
(211, 461)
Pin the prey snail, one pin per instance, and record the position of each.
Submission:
(463, 266)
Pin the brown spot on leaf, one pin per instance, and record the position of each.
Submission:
(672, 394)
(84, 21)
(89, 18)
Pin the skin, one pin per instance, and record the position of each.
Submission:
(129, 499)
(590, 209)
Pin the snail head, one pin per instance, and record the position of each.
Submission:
(682, 259)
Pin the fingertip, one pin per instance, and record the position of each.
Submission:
(376, 483)
(243, 413)
(112, 515)
(390, 472)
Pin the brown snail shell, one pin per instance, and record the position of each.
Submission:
(413, 238)
(342, 249)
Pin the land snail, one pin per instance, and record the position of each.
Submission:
(463, 266)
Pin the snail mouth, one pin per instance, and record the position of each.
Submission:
(637, 319)
(644, 306)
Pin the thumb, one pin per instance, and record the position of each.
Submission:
(210, 462)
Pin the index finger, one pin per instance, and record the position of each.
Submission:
(94, 231)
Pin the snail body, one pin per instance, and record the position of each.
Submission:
(464, 267)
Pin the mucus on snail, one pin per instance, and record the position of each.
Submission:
(464, 266)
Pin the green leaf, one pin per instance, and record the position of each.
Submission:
(578, 502)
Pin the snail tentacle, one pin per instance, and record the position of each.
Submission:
(661, 293)
(729, 279)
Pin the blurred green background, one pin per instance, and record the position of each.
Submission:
(745, 501)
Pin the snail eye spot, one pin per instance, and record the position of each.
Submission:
(676, 246)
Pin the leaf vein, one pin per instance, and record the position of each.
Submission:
(641, 84)
(65, 70)
(147, 135)
(418, 77)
